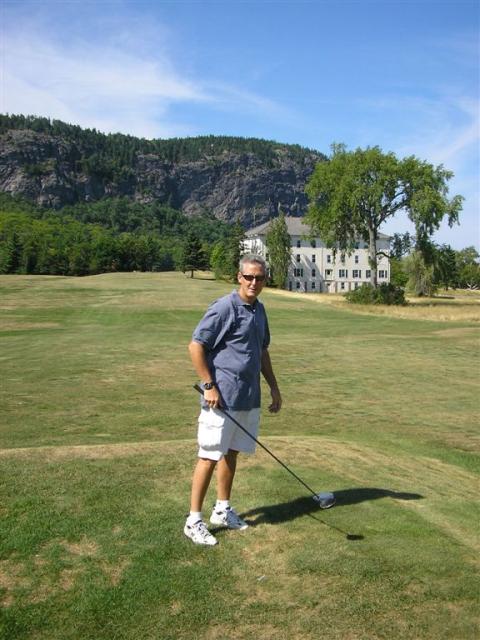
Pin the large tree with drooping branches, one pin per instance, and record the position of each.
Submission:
(354, 192)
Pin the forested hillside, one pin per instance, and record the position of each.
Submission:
(114, 234)
(54, 164)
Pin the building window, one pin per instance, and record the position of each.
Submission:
(342, 285)
(356, 285)
(313, 243)
(314, 257)
(313, 285)
(328, 273)
(342, 258)
(357, 273)
(356, 259)
(313, 273)
(368, 274)
(289, 285)
(343, 273)
(382, 274)
(329, 258)
(357, 245)
(298, 273)
(298, 257)
(299, 243)
(298, 284)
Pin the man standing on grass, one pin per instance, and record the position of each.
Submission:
(229, 350)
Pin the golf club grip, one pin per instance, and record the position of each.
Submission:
(225, 413)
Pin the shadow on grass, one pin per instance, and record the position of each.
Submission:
(285, 511)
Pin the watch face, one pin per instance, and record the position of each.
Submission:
(208, 386)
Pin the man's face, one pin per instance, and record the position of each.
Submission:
(250, 287)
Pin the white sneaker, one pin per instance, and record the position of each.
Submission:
(228, 518)
(199, 534)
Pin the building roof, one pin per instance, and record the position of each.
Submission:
(295, 227)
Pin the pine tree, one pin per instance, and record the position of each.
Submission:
(193, 257)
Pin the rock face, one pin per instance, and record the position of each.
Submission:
(48, 170)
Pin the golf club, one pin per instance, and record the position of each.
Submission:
(318, 497)
(324, 500)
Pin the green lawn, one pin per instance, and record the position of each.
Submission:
(97, 445)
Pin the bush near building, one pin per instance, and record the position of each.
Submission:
(386, 293)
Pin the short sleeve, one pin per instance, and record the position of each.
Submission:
(214, 325)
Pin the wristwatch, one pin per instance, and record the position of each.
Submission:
(208, 385)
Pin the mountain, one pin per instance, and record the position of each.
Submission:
(54, 164)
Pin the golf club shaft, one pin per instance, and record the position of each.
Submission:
(225, 413)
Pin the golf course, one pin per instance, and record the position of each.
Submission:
(98, 442)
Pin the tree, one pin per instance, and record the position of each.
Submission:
(469, 276)
(445, 267)
(398, 277)
(354, 193)
(233, 250)
(10, 253)
(420, 275)
(218, 259)
(468, 268)
(193, 257)
(278, 244)
(401, 245)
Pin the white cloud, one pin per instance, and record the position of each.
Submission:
(110, 87)
(92, 85)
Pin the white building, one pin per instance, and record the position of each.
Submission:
(314, 268)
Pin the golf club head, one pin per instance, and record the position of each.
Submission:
(325, 500)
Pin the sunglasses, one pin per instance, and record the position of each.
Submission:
(250, 278)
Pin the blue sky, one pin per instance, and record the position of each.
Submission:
(403, 75)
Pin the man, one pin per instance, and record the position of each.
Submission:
(229, 350)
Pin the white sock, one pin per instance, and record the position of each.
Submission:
(222, 505)
(194, 516)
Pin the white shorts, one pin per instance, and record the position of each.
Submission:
(217, 433)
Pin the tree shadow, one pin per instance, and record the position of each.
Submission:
(285, 511)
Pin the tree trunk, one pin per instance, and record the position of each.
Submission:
(372, 256)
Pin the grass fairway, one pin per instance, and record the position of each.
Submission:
(97, 444)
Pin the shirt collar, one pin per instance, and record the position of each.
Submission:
(241, 303)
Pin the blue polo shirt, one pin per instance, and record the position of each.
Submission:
(234, 334)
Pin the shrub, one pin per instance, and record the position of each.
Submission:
(386, 293)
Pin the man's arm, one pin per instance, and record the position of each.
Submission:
(199, 360)
(267, 371)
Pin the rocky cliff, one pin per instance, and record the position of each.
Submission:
(55, 170)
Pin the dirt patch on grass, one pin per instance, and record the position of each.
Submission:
(16, 325)
(84, 548)
(458, 332)
(97, 452)
(12, 578)
(246, 630)
(37, 581)
(68, 578)
(115, 572)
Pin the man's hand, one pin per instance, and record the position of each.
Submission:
(276, 401)
(212, 397)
